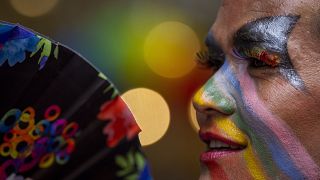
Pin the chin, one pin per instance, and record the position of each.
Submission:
(205, 174)
(231, 166)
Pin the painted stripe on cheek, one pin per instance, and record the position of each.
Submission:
(253, 164)
(288, 153)
(261, 150)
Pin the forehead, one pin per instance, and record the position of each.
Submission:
(233, 14)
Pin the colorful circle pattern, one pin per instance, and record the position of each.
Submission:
(28, 143)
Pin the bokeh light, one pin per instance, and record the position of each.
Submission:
(33, 8)
(170, 49)
(193, 117)
(151, 112)
(112, 36)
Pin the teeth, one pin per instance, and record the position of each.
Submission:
(218, 144)
(212, 144)
(233, 147)
(225, 145)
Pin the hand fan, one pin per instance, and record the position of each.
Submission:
(60, 117)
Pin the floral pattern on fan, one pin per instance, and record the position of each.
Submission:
(15, 41)
(35, 145)
(133, 166)
(121, 122)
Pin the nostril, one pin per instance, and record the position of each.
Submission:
(224, 105)
(213, 97)
(201, 107)
(209, 110)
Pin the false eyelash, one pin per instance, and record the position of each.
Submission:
(206, 59)
(203, 58)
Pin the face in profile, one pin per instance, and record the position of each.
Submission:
(259, 112)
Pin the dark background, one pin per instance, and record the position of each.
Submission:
(110, 34)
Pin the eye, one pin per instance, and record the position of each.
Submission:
(258, 57)
(210, 59)
(257, 63)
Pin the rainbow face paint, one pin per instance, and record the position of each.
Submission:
(246, 139)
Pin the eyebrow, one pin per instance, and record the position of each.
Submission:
(211, 41)
(272, 34)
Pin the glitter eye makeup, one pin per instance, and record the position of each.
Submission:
(258, 57)
(264, 56)
(264, 43)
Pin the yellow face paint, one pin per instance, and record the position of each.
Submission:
(198, 97)
(227, 127)
(253, 164)
(211, 96)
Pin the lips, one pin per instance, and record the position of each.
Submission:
(218, 146)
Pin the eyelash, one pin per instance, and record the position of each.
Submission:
(210, 59)
(257, 57)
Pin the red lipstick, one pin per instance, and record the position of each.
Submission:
(218, 146)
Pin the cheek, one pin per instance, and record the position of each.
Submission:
(305, 53)
(261, 108)
(299, 110)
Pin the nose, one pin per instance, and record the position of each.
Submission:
(213, 97)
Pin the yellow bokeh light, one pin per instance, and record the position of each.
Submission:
(193, 118)
(33, 8)
(151, 113)
(170, 49)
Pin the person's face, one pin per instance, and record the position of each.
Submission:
(259, 112)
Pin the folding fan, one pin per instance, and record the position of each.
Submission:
(60, 118)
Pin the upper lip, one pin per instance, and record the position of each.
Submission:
(208, 137)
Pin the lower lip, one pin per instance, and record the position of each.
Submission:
(213, 155)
